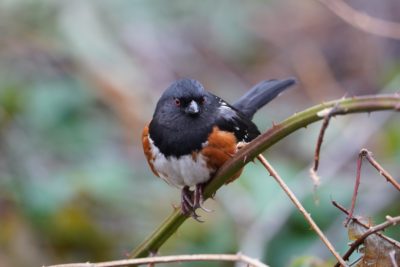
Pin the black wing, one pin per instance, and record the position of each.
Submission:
(232, 120)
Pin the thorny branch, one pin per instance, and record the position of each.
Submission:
(169, 259)
(300, 207)
(364, 153)
(368, 155)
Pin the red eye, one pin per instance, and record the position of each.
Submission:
(177, 102)
(202, 100)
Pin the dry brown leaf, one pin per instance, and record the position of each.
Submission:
(376, 250)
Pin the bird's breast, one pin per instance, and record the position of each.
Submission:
(185, 170)
(197, 166)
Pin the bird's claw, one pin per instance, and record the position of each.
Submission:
(190, 201)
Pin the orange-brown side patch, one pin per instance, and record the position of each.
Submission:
(147, 149)
(221, 147)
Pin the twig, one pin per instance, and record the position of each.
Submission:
(364, 153)
(257, 146)
(368, 155)
(300, 207)
(327, 115)
(169, 259)
(363, 21)
(355, 192)
(340, 207)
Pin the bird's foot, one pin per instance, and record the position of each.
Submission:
(190, 201)
(187, 204)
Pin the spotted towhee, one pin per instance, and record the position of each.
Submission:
(194, 132)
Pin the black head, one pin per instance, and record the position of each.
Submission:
(185, 103)
(184, 116)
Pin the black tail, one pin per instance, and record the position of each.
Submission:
(261, 94)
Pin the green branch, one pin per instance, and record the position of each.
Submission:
(260, 144)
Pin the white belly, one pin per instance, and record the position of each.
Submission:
(182, 171)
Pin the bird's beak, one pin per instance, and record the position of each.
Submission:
(193, 108)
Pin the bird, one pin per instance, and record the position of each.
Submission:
(193, 133)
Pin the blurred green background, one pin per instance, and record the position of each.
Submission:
(80, 79)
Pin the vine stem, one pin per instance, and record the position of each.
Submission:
(257, 146)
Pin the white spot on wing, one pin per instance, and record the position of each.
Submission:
(225, 111)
